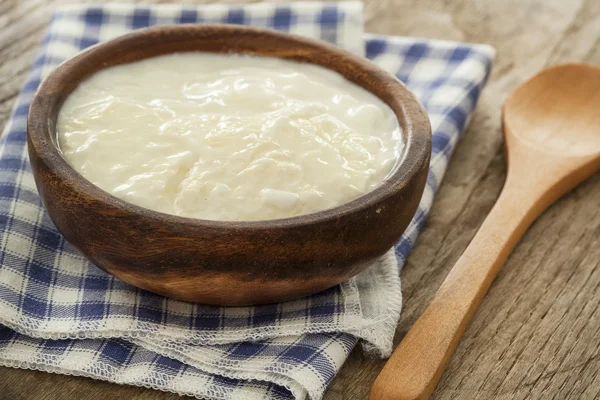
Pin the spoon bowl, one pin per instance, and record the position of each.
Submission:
(552, 131)
(557, 112)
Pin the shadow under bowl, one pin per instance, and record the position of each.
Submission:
(221, 262)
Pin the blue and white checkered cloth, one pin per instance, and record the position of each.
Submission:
(59, 313)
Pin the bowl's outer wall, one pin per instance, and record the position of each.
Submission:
(214, 262)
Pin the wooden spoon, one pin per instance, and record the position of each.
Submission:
(552, 131)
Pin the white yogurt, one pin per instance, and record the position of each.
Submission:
(226, 137)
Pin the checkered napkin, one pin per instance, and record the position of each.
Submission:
(59, 313)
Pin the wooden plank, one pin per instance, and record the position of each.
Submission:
(537, 334)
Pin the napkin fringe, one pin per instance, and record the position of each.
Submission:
(280, 374)
(367, 331)
(101, 371)
(379, 336)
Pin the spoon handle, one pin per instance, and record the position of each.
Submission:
(417, 364)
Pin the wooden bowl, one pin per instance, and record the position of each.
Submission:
(221, 262)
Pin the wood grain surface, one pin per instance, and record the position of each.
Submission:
(537, 332)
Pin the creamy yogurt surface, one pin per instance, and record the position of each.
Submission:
(228, 137)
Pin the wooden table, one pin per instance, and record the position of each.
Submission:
(537, 333)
